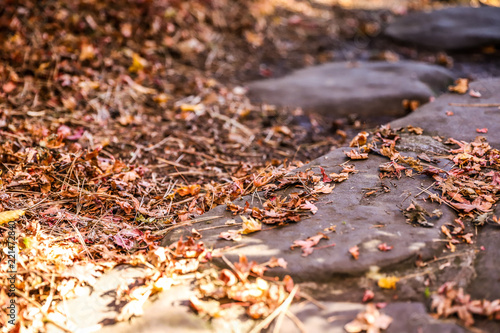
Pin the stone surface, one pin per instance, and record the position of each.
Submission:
(407, 318)
(88, 312)
(483, 112)
(369, 89)
(450, 28)
(96, 311)
(168, 313)
(358, 220)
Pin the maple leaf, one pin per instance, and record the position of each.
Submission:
(339, 177)
(250, 225)
(308, 244)
(309, 206)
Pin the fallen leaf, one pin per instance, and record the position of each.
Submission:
(354, 251)
(11, 215)
(8, 87)
(326, 179)
(233, 235)
(388, 282)
(355, 155)
(384, 247)
(308, 244)
(250, 225)
(368, 295)
(138, 63)
(370, 320)
(475, 93)
(324, 189)
(461, 86)
(415, 130)
(359, 140)
(482, 130)
(309, 206)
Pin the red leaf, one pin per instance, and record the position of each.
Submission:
(307, 245)
(326, 179)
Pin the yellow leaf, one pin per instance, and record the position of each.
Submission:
(11, 215)
(138, 63)
(388, 282)
(188, 190)
(191, 107)
(250, 225)
(161, 98)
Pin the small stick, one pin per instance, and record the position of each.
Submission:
(302, 328)
(479, 105)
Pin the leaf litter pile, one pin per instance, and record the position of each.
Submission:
(117, 124)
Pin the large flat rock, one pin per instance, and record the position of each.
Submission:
(407, 318)
(96, 311)
(469, 114)
(360, 221)
(450, 28)
(369, 89)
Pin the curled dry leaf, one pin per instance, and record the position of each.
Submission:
(415, 130)
(461, 86)
(250, 225)
(355, 155)
(354, 251)
(323, 188)
(359, 140)
(234, 235)
(326, 179)
(309, 206)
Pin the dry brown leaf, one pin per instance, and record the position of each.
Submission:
(461, 86)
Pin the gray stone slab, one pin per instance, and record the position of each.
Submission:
(407, 318)
(96, 311)
(369, 89)
(450, 28)
(357, 219)
(464, 122)
(168, 313)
